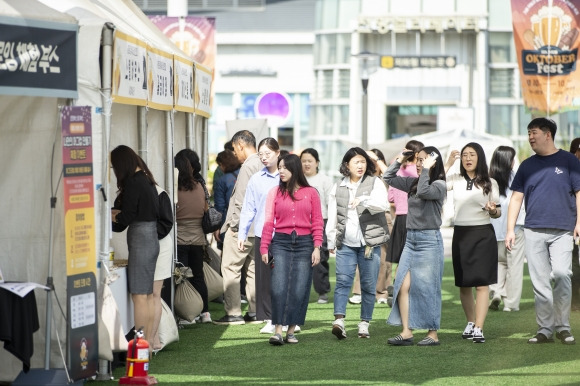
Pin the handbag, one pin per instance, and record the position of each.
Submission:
(212, 218)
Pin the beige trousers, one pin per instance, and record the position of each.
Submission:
(510, 271)
(233, 262)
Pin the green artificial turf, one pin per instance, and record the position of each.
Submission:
(240, 355)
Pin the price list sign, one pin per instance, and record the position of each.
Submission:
(79, 207)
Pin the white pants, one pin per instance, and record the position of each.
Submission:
(510, 272)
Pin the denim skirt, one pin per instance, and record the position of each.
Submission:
(143, 252)
(422, 258)
(291, 277)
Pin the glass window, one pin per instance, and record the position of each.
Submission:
(348, 11)
(343, 83)
(329, 14)
(501, 83)
(500, 13)
(501, 48)
(325, 90)
(325, 119)
(326, 52)
(343, 48)
(343, 117)
(246, 109)
(501, 120)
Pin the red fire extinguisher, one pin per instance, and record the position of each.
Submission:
(138, 362)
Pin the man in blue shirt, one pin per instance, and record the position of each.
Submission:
(549, 181)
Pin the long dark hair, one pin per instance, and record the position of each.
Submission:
(294, 166)
(184, 161)
(350, 154)
(500, 167)
(437, 172)
(270, 142)
(125, 161)
(482, 180)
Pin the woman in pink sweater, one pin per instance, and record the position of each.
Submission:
(291, 240)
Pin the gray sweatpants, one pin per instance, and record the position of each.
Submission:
(549, 254)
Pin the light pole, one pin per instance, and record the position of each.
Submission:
(367, 65)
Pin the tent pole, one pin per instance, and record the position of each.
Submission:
(189, 140)
(142, 132)
(170, 188)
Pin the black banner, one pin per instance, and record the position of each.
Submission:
(39, 61)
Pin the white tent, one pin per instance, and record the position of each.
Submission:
(31, 155)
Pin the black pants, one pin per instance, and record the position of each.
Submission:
(321, 270)
(575, 279)
(262, 275)
(192, 256)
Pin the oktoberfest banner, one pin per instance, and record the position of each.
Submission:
(183, 86)
(194, 35)
(129, 70)
(546, 42)
(159, 79)
(203, 77)
(38, 58)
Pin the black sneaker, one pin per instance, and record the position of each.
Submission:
(566, 337)
(229, 320)
(251, 319)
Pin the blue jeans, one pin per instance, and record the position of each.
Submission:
(291, 277)
(347, 258)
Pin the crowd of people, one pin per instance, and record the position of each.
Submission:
(282, 219)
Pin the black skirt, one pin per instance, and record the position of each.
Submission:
(398, 238)
(474, 250)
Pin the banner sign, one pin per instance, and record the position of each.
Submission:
(183, 86)
(546, 40)
(203, 90)
(418, 61)
(38, 61)
(194, 35)
(79, 207)
(129, 70)
(159, 79)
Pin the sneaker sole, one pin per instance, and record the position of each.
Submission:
(338, 332)
(464, 336)
(478, 340)
(364, 336)
(228, 323)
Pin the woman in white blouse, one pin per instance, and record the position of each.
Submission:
(474, 245)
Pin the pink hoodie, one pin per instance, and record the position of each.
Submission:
(398, 197)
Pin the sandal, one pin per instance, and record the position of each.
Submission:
(428, 341)
(276, 340)
(291, 339)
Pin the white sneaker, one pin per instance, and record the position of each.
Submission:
(468, 332)
(478, 335)
(382, 301)
(507, 309)
(205, 317)
(355, 299)
(363, 330)
(269, 328)
(338, 328)
(296, 328)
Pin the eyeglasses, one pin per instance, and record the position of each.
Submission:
(266, 154)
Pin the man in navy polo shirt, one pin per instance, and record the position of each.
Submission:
(549, 181)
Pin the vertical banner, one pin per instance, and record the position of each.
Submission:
(129, 70)
(203, 90)
(77, 158)
(546, 42)
(194, 35)
(183, 84)
(160, 79)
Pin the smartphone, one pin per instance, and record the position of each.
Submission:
(408, 153)
(433, 155)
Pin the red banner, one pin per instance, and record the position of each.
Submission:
(546, 42)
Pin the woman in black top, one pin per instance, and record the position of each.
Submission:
(136, 207)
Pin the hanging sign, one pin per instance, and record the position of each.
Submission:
(159, 79)
(203, 77)
(183, 84)
(129, 70)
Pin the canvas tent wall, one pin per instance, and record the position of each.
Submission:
(30, 130)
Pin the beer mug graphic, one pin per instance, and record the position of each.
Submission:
(550, 25)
